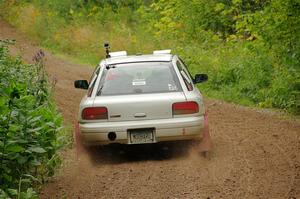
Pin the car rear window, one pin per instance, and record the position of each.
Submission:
(139, 78)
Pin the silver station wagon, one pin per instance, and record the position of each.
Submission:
(140, 99)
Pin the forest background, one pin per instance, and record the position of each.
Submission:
(249, 48)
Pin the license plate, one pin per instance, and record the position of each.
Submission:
(141, 136)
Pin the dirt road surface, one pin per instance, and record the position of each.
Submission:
(256, 152)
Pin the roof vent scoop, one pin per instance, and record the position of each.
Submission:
(157, 52)
(118, 54)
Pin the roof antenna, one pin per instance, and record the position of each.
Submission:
(107, 47)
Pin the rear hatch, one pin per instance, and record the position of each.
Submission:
(140, 106)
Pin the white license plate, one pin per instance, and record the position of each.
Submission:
(141, 136)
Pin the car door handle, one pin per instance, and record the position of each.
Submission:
(140, 115)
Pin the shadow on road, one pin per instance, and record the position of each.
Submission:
(117, 153)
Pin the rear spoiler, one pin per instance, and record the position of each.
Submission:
(118, 54)
(157, 52)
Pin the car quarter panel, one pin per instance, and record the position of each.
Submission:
(193, 95)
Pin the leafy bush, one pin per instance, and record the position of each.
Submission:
(30, 132)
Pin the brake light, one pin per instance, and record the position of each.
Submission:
(180, 108)
(94, 113)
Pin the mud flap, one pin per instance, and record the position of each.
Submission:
(206, 142)
(78, 143)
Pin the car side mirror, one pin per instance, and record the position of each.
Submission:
(83, 84)
(199, 78)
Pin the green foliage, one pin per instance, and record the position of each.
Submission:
(30, 131)
(251, 78)
(249, 48)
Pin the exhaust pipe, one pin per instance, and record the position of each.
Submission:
(112, 136)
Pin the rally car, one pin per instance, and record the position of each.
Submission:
(141, 99)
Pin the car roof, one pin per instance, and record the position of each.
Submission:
(138, 58)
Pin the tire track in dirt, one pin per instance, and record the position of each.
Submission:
(256, 153)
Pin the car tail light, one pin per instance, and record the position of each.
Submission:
(180, 108)
(94, 113)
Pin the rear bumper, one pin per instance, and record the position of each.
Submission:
(186, 128)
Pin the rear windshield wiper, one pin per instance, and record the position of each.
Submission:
(110, 66)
